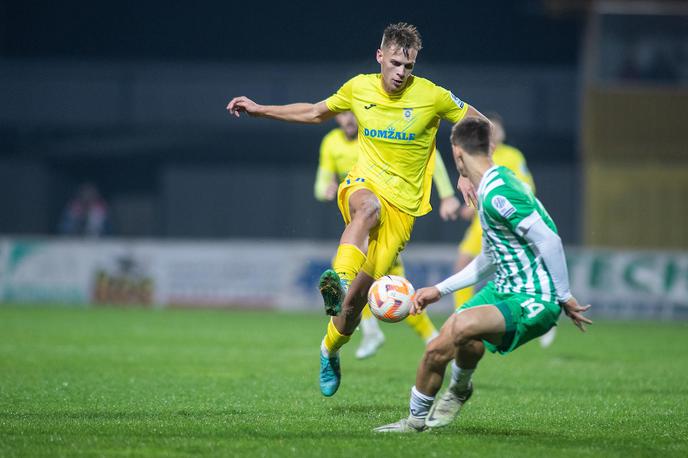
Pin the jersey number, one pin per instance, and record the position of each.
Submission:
(533, 307)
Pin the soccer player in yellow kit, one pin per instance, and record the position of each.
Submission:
(398, 116)
(471, 245)
(338, 154)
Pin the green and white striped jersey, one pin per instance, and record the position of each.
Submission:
(507, 209)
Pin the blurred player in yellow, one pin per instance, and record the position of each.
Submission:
(338, 154)
(471, 245)
(398, 116)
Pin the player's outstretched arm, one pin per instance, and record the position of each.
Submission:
(478, 269)
(548, 245)
(308, 113)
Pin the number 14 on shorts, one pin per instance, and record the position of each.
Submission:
(533, 307)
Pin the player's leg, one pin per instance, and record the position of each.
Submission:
(385, 241)
(361, 211)
(547, 339)
(461, 339)
(421, 324)
(524, 318)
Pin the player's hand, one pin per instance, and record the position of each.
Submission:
(423, 298)
(450, 208)
(243, 104)
(467, 212)
(575, 311)
(467, 191)
(331, 190)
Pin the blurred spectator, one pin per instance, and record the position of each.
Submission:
(86, 214)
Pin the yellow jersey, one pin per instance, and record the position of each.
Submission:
(513, 159)
(338, 155)
(396, 135)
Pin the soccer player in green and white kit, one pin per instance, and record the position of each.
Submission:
(530, 288)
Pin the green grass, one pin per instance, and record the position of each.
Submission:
(178, 383)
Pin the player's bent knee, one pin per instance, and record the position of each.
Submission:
(367, 212)
(464, 330)
(439, 352)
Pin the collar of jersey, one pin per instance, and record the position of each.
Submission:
(484, 180)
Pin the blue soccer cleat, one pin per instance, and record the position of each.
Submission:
(330, 375)
(333, 291)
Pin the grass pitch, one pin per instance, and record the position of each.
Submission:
(107, 382)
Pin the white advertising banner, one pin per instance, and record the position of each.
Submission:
(284, 274)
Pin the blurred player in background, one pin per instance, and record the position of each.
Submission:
(471, 245)
(338, 154)
(530, 289)
(398, 116)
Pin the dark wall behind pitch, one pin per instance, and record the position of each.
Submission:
(299, 31)
(156, 139)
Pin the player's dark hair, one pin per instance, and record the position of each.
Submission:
(472, 135)
(403, 35)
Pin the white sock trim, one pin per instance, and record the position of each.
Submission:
(460, 377)
(424, 397)
(420, 403)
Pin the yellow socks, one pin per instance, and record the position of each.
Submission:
(422, 325)
(348, 262)
(462, 296)
(334, 340)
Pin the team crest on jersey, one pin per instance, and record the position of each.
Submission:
(408, 112)
(503, 206)
(457, 101)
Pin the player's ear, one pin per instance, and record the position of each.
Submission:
(378, 56)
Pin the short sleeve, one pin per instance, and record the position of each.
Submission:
(516, 211)
(341, 100)
(449, 106)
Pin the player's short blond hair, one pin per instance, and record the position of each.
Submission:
(403, 35)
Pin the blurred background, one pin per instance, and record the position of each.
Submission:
(125, 180)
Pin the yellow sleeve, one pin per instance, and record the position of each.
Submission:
(327, 170)
(341, 100)
(449, 106)
(441, 178)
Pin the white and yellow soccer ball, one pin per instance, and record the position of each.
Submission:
(389, 298)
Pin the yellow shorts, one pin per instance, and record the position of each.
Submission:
(388, 238)
(472, 242)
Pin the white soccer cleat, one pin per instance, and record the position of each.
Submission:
(547, 338)
(370, 344)
(447, 407)
(405, 425)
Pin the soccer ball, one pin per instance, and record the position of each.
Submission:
(390, 298)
